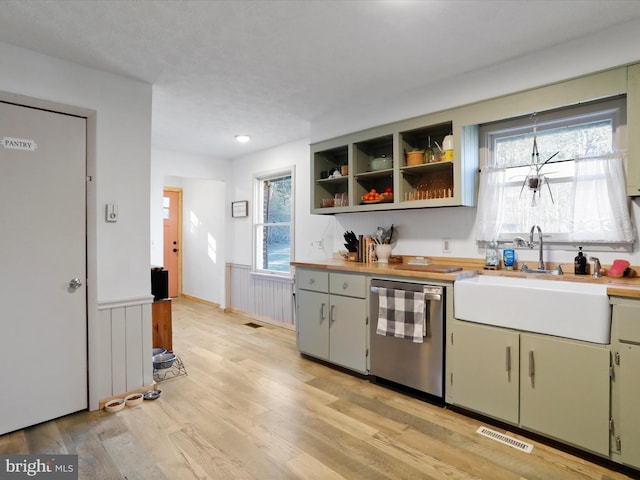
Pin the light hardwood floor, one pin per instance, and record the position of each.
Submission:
(252, 408)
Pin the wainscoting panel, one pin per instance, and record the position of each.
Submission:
(124, 349)
(266, 298)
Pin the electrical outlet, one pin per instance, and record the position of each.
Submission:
(446, 245)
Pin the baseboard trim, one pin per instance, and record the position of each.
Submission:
(200, 300)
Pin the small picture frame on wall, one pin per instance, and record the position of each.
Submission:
(240, 208)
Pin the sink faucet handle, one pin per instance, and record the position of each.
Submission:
(596, 266)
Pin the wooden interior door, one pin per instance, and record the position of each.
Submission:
(172, 203)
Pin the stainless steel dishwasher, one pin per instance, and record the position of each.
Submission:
(415, 365)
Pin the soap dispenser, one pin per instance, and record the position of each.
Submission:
(580, 264)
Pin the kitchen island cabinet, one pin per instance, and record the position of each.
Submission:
(625, 388)
(331, 315)
(553, 386)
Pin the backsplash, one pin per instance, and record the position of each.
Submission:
(421, 232)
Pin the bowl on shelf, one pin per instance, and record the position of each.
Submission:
(327, 202)
(163, 360)
(381, 163)
(158, 351)
(415, 158)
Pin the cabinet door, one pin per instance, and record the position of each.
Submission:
(348, 332)
(633, 121)
(564, 390)
(485, 370)
(313, 323)
(629, 404)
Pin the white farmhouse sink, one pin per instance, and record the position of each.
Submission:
(562, 308)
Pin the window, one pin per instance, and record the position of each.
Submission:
(565, 185)
(273, 224)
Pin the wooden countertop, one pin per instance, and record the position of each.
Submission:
(622, 287)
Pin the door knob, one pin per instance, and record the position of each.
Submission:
(75, 284)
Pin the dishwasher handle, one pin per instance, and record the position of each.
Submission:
(430, 293)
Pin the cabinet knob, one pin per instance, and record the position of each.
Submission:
(345, 285)
(312, 281)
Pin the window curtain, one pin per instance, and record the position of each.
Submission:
(490, 202)
(600, 209)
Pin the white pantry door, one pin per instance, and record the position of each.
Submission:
(43, 316)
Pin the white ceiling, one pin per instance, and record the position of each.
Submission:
(272, 68)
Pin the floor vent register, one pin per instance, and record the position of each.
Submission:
(505, 439)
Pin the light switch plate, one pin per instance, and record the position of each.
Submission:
(111, 212)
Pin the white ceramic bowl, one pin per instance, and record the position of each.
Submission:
(114, 405)
(133, 399)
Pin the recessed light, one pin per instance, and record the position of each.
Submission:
(243, 138)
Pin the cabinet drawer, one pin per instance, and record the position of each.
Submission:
(314, 280)
(627, 320)
(348, 285)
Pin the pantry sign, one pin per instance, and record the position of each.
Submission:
(19, 144)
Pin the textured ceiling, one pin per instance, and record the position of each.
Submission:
(270, 68)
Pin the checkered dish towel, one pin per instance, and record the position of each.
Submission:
(401, 314)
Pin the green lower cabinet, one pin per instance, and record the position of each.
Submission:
(629, 373)
(556, 387)
(312, 331)
(331, 315)
(485, 370)
(625, 385)
(564, 390)
(347, 333)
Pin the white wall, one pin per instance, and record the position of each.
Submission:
(203, 239)
(118, 150)
(606, 49)
(169, 164)
(308, 228)
(421, 231)
(203, 181)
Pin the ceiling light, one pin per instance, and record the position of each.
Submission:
(243, 138)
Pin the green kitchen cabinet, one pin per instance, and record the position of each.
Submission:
(485, 371)
(312, 331)
(625, 387)
(331, 314)
(553, 386)
(345, 168)
(564, 390)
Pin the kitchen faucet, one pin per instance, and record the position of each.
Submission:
(532, 244)
(521, 242)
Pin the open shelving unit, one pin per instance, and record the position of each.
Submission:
(436, 184)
